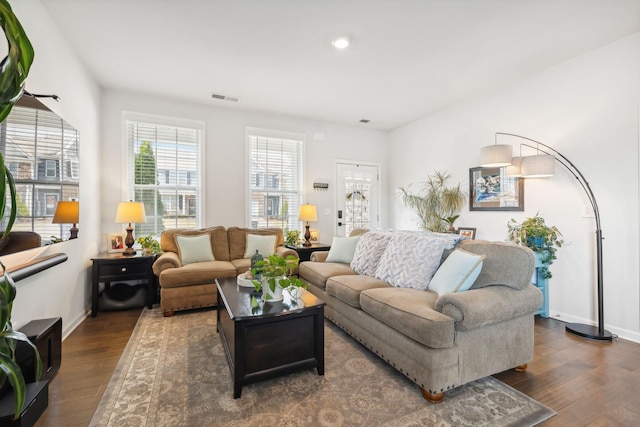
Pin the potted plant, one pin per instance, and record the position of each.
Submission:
(272, 275)
(13, 72)
(543, 239)
(292, 238)
(438, 205)
(150, 244)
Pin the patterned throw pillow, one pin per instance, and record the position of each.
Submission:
(369, 250)
(410, 260)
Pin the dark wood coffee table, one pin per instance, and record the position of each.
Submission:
(276, 339)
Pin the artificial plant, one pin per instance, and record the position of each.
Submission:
(437, 205)
(14, 69)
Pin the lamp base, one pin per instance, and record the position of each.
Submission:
(588, 331)
(307, 236)
(129, 241)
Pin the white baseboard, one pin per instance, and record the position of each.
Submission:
(621, 333)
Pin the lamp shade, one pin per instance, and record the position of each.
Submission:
(514, 168)
(308, 213)
(495, 156)
(130, 212)
(538, 166)
(67, 212)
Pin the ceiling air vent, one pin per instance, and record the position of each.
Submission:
(225, 97)
(365, 120)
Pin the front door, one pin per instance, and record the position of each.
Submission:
(357, 196)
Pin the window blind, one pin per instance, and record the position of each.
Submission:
(42, 152)
(164, 173)
(275, 180)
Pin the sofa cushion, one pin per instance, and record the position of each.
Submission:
(347, 288)
(410, 312)
(197, 273)
(238, 239)
(410, 260)
(504, 263)
(317, 273)
(342, 249)
(194, 248)
(368, 252)
(218, 235)
(265, 245)
(457, 273)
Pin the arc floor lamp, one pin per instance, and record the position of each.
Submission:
(541, 165)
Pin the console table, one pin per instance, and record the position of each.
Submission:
(108, 268)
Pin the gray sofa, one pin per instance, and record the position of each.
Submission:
(438, 342)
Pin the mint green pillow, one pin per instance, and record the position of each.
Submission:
(342, 249)
(194, 248)
(457, 273)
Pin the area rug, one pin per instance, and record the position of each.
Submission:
(173, 372)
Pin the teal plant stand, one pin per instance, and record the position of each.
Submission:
(541, 283)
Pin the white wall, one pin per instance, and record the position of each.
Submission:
(225, 155)
(62, 291)
(586, 108)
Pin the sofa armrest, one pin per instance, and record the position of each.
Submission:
(319, 256)
(165, 261)
(485, 306)
(285, 252)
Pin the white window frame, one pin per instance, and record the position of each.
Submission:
(250, 204)
(128, 157)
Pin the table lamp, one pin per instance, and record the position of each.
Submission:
(130, 212)
(68, 213)
(307, 213)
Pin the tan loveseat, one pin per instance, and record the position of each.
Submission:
(438, 342)
(184, 287)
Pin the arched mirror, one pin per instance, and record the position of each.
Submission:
(42, 152)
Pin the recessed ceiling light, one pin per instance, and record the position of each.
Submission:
(341, 42)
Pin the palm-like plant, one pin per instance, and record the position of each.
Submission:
(14, 69)
(437, 205)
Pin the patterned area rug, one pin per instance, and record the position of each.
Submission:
(174, 373)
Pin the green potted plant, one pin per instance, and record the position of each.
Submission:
(275, 274)
(14, 69)
(149, 244)
(292, 238)
(543, 239)
(438, 205)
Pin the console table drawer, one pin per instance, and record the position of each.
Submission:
(123, 270)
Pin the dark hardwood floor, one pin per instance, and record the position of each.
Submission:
(588, 383)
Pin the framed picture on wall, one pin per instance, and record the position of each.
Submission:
(490, 189)
(115, 243)
(467, 232)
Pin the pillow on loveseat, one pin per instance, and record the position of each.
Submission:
(457, 273)
(264, 244)
(194, 248)
(410, 260)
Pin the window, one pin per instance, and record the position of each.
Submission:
(42, 152)
(275, 179)
(161, 154)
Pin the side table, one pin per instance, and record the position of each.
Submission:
(111, 267)
(304, 252)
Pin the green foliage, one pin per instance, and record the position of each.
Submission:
(541, 238)
(292, 238)
(150, 244)
(14, 69)
(273, 270)
(437, 205)
(145, 172)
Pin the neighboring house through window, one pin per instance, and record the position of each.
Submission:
(161, 155)
(275, 178)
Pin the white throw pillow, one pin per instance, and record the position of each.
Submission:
(265, 245)
(342, 249)
(194, 248)
(410, 260)
(457, 273)
(368, 252)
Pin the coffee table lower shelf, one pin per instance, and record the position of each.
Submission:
(271, 344)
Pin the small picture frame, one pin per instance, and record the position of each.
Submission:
(469, 233)
(115, 243)
(314, 235)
